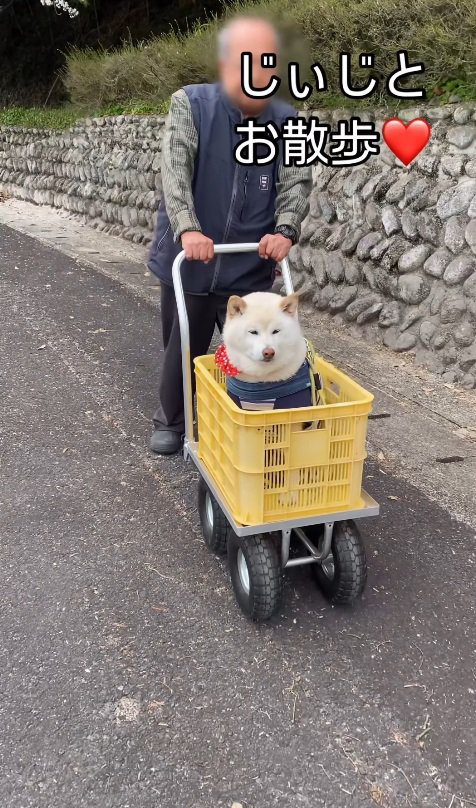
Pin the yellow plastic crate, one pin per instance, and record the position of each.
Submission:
(266, 466)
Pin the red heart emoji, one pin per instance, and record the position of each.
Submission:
(406, 140)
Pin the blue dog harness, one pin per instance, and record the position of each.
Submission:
(301, 390)
(287, 394)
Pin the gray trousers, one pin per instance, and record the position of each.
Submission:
(204, 312)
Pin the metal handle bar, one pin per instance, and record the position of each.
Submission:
(183, 320)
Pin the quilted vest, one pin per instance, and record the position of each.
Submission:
(233, 203)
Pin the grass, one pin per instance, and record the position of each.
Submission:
(65, 117)
(38, 117)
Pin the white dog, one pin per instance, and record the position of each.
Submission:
(265, 355)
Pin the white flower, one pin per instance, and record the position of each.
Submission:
(61, 5)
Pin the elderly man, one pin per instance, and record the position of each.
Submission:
(209, 198)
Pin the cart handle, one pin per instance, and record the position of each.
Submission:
(184, 327)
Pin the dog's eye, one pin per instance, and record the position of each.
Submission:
(276, 331)
(253, 332)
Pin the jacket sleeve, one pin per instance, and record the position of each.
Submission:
(292, 200)
(179, 148)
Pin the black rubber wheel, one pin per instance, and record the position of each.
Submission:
(215, 526)
(343, 574)
(255, 570)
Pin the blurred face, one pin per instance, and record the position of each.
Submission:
(255, 37)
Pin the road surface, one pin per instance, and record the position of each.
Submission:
(129, 678)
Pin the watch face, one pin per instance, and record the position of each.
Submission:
(287, 232)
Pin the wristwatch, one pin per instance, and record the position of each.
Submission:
(287, 231)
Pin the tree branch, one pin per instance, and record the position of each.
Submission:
(5, 6)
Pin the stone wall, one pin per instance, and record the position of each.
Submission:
(105, 169)
(389, 251)
(392, 250)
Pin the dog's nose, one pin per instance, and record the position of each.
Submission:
(268, 353)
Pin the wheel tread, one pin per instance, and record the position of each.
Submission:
(265, 574)
(352, 563)
(216, 538)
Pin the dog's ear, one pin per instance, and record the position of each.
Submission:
(236, 306)
(289, 304)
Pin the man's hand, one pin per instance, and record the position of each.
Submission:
(274, 246)
(197, 246)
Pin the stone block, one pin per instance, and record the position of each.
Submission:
(399, 342)
(352, 272)
(335, 266)
(464, 334)
(356, 180)
(319, 268)
(411, 317)
(414, 189)
(427, 330)
(468, 381)
(370, 314)
(320, 235)
(366, 244)
(377, 252)
(452, 308)
(441, 338)
(462, 114)
(351, 240)
(469, 286)
(342, 298)
(405, 342)
(327, 208)
(337, 236)
(437, 262)
(370, 185)
(396, 191)
(456, 200)
(412, 288)
(429, 228)
(360, 305)
(459, 270)
(414, 258)
(470, 235)
(390, 314)
(324, 297)
(452, 164)
(454, 233)
(470, 169)
(372, 214)
(390, 220)
(409, 222)
(467, 359)
(461, 136)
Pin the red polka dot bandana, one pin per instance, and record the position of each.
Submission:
(223, 362)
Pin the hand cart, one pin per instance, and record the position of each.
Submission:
(270, 485)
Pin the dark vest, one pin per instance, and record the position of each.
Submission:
(233, 203)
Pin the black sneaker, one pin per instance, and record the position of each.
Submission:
(165, 442)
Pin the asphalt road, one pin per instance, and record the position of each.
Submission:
(129, 679)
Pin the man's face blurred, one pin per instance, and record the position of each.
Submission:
(257, 42)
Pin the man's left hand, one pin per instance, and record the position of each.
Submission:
(275, 247)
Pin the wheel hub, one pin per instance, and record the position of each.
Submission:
(328, 567)
(243, 571)
(209, 510)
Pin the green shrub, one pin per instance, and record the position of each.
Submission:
(439, 33)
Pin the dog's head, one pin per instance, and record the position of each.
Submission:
(263, 337)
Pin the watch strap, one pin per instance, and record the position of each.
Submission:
(287, 231)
